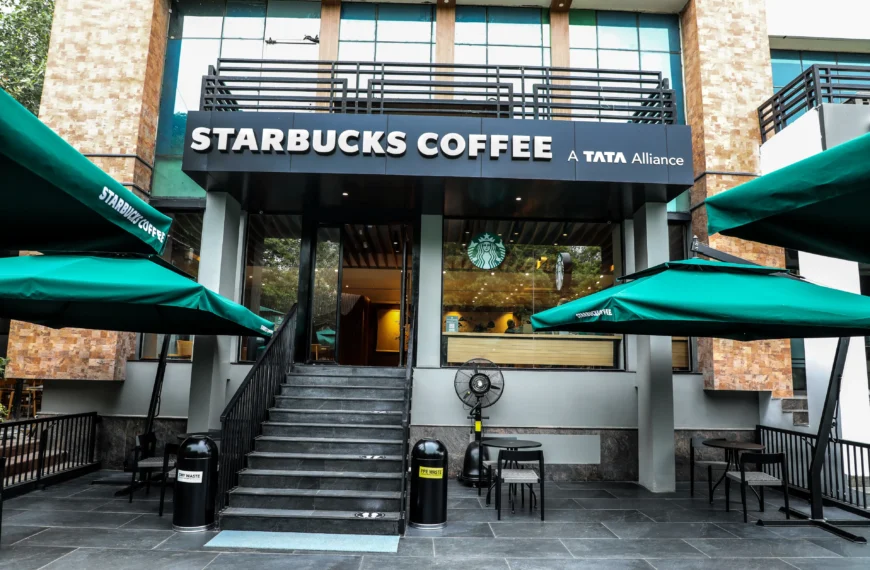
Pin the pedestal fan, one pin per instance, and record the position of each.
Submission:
(479, 383)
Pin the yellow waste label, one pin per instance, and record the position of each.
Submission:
(432, 472)
(477, 426)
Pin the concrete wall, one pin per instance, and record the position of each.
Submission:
(813, 20)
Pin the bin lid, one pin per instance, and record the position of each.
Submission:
(429, 449)
(198, 446)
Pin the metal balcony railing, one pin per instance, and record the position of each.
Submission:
(845, 84)
(515, 92)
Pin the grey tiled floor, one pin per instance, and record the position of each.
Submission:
(609, 526)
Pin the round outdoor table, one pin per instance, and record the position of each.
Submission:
(509, 444)
(732, 454)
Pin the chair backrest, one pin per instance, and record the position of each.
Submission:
(765, 459)
(698, 442)
(505, 455)
(146, 444)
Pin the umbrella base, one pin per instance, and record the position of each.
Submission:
(832, 526)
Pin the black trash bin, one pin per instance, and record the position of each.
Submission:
(195, 484)
(428, 484)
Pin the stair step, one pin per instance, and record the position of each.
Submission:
(795, 405)
(291, 520)
(332, 417)
(367, 381)
(338, 445)
(317, 499)
(349, 391)
(349, 430)
(339, 403)
(347, 480)
(801, 418)
(348, 371)
(325, 461)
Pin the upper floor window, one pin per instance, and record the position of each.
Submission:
(786, 65)
(502, 36)
(629, 41)
(387, 32)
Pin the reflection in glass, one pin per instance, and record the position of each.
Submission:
(514, 26)
(404, 23)
(199, 19)
(292, 20)
(617, 30)
(581, 29)
(245, 19)
(357, 22)
(271, 272)
(324, 303)
(196, 56)
(470, 25)
(182, 251)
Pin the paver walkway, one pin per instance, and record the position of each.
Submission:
(589, 525)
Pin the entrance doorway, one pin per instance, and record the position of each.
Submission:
(360, 296)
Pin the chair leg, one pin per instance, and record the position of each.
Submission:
(785, 498)
(692, 478)
(727, 495)
(761, 500)
(743, 500)
(162, 494)
(523, 495)
(132, 485)
(542, 496)
(148, 483)
(710, 483)
(489, 487)
(498, 497)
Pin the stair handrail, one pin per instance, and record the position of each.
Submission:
(249, 407)
(406, 415)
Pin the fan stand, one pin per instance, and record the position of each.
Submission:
(474, 452)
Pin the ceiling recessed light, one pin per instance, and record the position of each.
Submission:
(344, 193)
(527, 274)
(463, 245)
(518, 199)
(561, 4)
(512, 241)
(251, 277)
(564, 235)
(493, 273)
(443, 272)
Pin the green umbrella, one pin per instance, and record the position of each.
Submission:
(326, 337)
(818, 205)
(713, 299)
(55, 199)
(122, 294)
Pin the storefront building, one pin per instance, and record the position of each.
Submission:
(461, 166)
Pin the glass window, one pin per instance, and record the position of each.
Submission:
(617, 30)
(197, 19)
(581, 29)
(386, 32)
(659, 32)
(357, 22)
(292, 20)
(507, 36)
(470, 25)
(678, 249)
(182, 251)
(245, 19)
(271, 272)
(168, 181)
(487, 304)
(787, 65)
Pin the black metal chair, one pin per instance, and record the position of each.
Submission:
(758, 479)
(698, 443)
(170, 454)
(519, 477)
(2, 479)
(146, 462)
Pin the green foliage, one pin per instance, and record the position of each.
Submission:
(3, 363)
(25, 29)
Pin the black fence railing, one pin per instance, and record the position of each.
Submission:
(845, 84)
(846, 472)
(41, 449)
(406, 414)
(242, 418)
(517, 92)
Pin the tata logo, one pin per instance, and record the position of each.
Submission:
(604, 156)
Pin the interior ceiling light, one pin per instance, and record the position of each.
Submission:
(519, 199)
(344, 193)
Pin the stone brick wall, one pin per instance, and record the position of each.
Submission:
(102, 95)
(727, 75)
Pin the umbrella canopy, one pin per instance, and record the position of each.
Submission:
(712, 299)
(121, 294)
(817, 205)
(55, 199)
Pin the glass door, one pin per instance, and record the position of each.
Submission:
(326, 284)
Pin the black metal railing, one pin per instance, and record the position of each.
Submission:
(249, 407)
(846, 472)
(39, 449)
(406, 414)
(517, 92)
(846, 84)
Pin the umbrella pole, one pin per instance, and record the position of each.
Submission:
(158, 384)
(827, 423)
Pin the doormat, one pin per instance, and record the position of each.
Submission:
(304, 541)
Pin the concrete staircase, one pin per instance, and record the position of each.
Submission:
(329, 458)
(798, 407)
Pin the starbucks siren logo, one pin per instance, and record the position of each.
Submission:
(486, 251)
(564, 266)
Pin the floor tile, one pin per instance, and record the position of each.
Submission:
(454, 529)
(631, 548)
(842, 547)
(719, 564)
(189, 541)
(87, 537)
(560, 564)
(642, 493)
(374, 562)
(30, 502)
(550, 515)
(628, 504)
(551, 530)
(828, 563)
(690, 515)
(464, 503)
(760, 548)
(150, 522)
(245, 561)
(550, 503)
(9, 513)
(509, 548)
(415, 546)
(749, 530)
(667, 530)
(73, 519)
(29, 557)
(606, 485)
(135, 507)
(556, 493)
(12, 534)
(93, 559)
